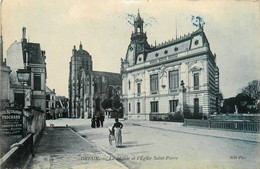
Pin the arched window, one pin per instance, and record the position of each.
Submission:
(129, 85)
(138, 89)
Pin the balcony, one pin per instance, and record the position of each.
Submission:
(154, 92)
(173, 90)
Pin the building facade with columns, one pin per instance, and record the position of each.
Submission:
(178, 75)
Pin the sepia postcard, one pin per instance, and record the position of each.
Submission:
(138, 84)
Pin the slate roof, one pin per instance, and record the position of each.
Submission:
(173, 46)
(113, 78)
(34, 53)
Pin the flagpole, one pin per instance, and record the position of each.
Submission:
(176, 27)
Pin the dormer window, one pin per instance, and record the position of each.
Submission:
(176, 49)
(140, 59)
(166, 51)
(156, 54)
(196, 42)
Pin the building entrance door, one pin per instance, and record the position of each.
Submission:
(196, 106)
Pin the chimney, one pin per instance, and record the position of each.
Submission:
(24, 33)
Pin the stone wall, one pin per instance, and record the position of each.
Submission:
(34, 122)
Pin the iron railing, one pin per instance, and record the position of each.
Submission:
(237, 125)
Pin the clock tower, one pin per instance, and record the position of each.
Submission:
(137, 50)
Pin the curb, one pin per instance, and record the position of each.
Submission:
(186, 132)
(102, 151)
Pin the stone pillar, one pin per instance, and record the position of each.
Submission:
(182, 99)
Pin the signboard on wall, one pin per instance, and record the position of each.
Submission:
(11, 122)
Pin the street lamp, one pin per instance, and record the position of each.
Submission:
(23, 77)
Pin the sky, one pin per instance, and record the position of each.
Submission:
(104, 29)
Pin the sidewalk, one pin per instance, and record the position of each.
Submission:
(61, 147)
(178, 127)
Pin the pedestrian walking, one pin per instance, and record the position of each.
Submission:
(93, 122)
(118, 135)
(97, 121)
(102, 119)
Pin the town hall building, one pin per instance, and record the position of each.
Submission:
(178, 75)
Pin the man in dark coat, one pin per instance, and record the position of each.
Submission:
(102, 119)
(93, 122)
(98, 121)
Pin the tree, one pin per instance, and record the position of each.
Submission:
(252, 90)
(219, 101)
(115, 104)
(106, 104)
(242, 102)
(229, 105)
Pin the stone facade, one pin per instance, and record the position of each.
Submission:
(5, 80)
(80, 65)
(5, 72)
(25, 55)
(88, 88)
(178, 75)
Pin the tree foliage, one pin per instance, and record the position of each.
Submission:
(113, 103)
(241, 102)
(116, 104)
(245, 101)
(106, 104)
(229, 105)
(252, 89)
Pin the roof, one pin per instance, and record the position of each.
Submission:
(113, 78)
(34, 53)
(174, 46)
(138, 18)
(48, 90)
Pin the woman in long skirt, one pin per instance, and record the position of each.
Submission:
(118, 135)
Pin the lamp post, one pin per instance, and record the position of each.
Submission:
(23, 77)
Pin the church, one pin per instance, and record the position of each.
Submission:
(89, 88)
(178, 75)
